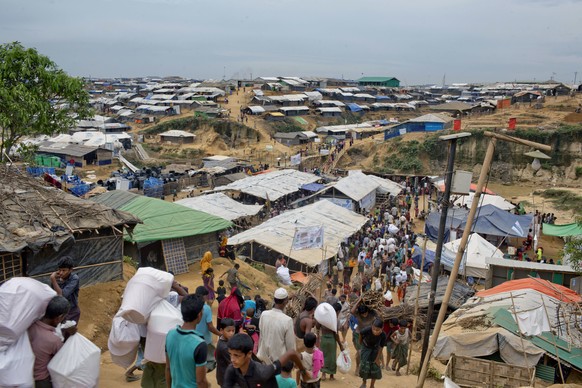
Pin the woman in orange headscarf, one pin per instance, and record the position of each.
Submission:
(206, 262)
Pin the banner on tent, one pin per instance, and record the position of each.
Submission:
(308, 237)
(295, 159)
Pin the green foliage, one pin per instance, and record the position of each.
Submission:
(573, 251)
(563, 199)
(224, 127)
(287, 125)
(578, 172)
(31, 85)
(406, 158)
(130, 261)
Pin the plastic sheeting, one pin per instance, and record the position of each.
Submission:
(474, 259)
(220, 205)
(278, 232)
(271, 185)
(573, 229)
(103, 255)
(488, 220)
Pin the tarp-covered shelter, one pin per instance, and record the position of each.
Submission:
(358, 188)
(488, 220)
(501, 319)
(501, 270)
(573, 229)
(39, 225)
(277, 234)
(485, 199)
(461, 292)
(474, 261)
(271, 185)
(167, 230)
(386, 186)
(220, 205)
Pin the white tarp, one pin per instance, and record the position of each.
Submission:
(278, 232)
(386, 186)
(220, 205)
(356, 185)
(486, 199)
(271, 185)
(474, 261)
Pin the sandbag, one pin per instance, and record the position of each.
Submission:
(344, 362)
(143, 291)
(76, 364)
(22, 302)
(163, 318)
(123, 337)
(326, 316)
(16, 364)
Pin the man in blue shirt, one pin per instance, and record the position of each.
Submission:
(186, 349)
(206, 328)
(66, 283)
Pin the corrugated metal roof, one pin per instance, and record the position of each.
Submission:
(333, 109)
(177, 133)
(432, 118)
(292, 108)
(66, 149)
(376, 79)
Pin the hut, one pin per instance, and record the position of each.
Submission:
(176, 136)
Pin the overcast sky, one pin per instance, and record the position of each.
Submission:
(417, 41)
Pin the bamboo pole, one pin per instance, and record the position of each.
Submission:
(554, 341)
(416, 302)
(520, 333)
(455, 270)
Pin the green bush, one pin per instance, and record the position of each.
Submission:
(578, 171)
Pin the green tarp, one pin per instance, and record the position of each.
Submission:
(573, 229)
(162, 220)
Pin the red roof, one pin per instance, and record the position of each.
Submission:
(553, 290)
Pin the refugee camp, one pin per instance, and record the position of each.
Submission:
(196, 195)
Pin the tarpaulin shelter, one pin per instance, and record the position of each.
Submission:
(485, 199)
(488, 220)
(474, 261)
(358, 190)
(276, 234)
(520, 319)
(166, 223)
(429, 257)
(220, 205)
(271, 185)
(573, 229)
(40, 224)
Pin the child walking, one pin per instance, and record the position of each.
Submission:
(285, 380)
(222, 356)
(401, 338)
(372, 341)
(312, 359)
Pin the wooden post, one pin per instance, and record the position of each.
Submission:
(519, 330)
(416, 302)
(455, 270)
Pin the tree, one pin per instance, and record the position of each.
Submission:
(36, 97)
(572, 252)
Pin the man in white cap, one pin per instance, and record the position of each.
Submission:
(276, 328)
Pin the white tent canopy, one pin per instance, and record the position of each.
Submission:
(386, 186)
(278, 232)
(271, 185)
(356, 185)
(486, 199)
(220, 205)
(474, 261)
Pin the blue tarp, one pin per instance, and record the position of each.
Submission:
(428, 258)
(354, 107)
(315, 187)
(488, 220)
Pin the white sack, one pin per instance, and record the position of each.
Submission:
(284, 276)
(124, 360)
(344, 362)
(76, 364)
(16, 364)
(326, 316)
(163, 318)
(123, 337)
(143, 291)
(22, 302)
